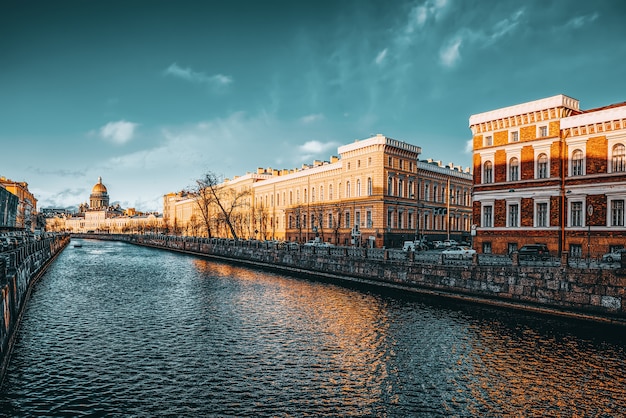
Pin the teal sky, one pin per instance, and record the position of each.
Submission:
(151, 95)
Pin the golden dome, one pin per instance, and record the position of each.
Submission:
(99, 187)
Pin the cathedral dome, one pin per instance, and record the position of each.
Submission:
(99, 187)
(99, 198)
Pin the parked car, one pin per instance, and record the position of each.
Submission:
(459, 252)
(534, 252)
(450, 243)
(437, 244)
(416, 245)
(615, 255)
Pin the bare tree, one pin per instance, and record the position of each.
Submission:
(337, 213)
(317, 213)
(211, 194)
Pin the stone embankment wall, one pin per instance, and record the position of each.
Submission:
(589, 293)
(19, 270)
(597, 294)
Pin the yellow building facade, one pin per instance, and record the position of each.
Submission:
(376, 193)
(27, 204)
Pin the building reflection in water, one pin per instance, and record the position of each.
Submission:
(424, 356)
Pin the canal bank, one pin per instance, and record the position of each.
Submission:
(20, 269)
(590, 294)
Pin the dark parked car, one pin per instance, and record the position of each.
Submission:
(534, 252)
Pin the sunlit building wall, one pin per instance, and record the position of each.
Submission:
(376, 193)
(548, 172)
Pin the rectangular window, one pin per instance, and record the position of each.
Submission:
(515, 136)
(486, 248)
(487, 216)
(542, 169)
(368, 216)
(348, 220)
(389, 219)
(577, 214)
(357, 218)
(542, 215)
(330, 221)
(513, 215)
(543, 131)
(576, 250)
(410, 221)
(488, 141)
(577, 167)
(617, 213)
(514, 172)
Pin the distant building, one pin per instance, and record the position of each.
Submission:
(99, 216)
(548, 172)
(377, 193)
(27, 204)
(8, 209)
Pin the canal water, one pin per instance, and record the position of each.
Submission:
(114, 329)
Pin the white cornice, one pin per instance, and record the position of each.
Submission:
(590, 118)
(528, 107)
(379, 140)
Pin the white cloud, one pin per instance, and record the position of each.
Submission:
(312, 150)
(505, 26)
(580, 21)
(419, 15)
(188, 74)
(469, 146)
(450, 54)
(118, 132)
(311, 118)
(381, 56)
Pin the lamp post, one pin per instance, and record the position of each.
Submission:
(589, 213)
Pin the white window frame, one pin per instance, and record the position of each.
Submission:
(573, 146)
(540, 128)
(508, 169)
(484, 171)
(537, 202)
(609, 210)
(514, 136)
(482, 214)
(583, 209)
(510, 203)
(538, 151)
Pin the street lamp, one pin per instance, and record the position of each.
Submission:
(589, 213)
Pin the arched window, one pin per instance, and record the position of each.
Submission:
(400, 191)
(389, 186)
(488, 172)
(321, 193)
(330, 192)
(369, 186)
(513, 169)
(618, 158)
(347, 189)
(313, 194)
(358, 187)
(542, 166)
(577, 163)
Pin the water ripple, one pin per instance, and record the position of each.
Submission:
(118, 330)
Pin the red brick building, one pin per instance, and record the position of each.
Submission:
(547, 172)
